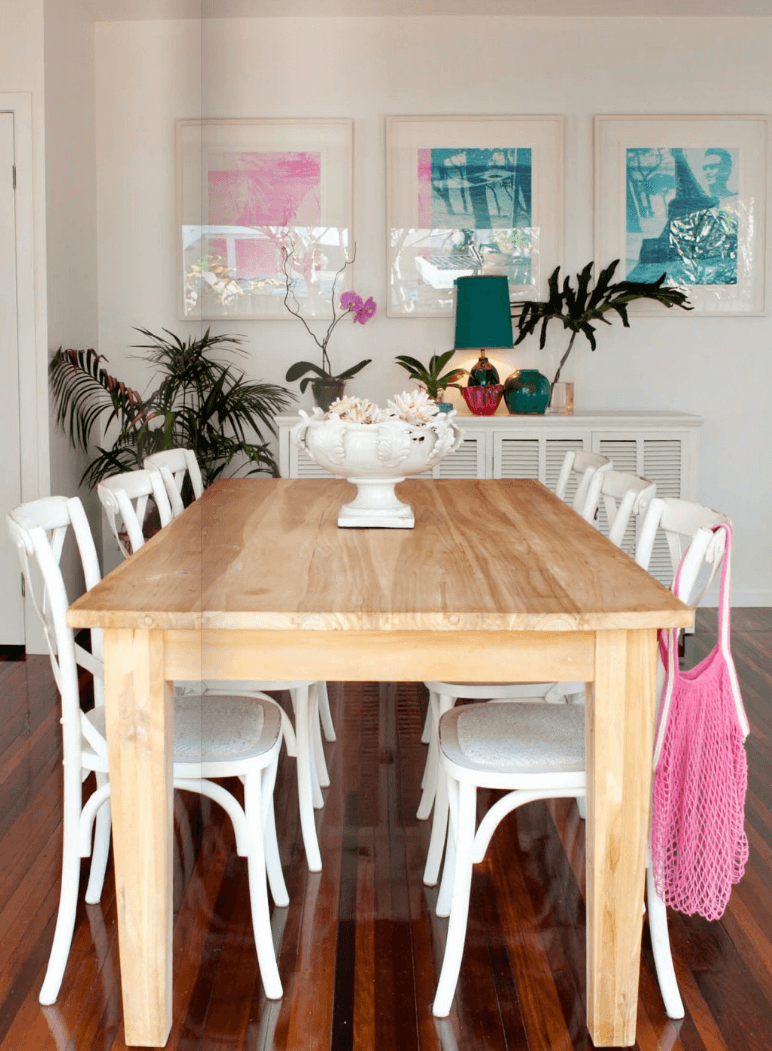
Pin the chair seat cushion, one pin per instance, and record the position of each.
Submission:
(212, 728)
(522, 736)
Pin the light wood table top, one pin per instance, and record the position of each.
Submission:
(488, 555)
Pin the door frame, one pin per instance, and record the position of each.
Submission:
(31, 322)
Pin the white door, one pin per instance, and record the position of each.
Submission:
(11, 611)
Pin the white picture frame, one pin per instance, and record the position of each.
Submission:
(685, 196)
(245, 189)
(466, 195)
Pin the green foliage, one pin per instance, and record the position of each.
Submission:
(430, 377)
(577, 309)
(201, 402)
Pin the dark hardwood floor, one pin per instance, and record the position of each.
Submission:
(359, 945)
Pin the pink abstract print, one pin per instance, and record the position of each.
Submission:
(264, 190)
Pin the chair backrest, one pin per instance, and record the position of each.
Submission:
(38, 530)
(624, 497)
(174, 464)
(124, 500)
(685, 524)
(583, 465)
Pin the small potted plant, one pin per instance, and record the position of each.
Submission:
(326, 385)
(431, 377)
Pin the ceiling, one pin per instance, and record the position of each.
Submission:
(129, 10)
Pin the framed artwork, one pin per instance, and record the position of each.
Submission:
(686, 197)
(246, 191)
(471, 195)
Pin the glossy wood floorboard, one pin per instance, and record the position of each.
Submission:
(359, 945)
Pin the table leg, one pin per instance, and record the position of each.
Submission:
(620, 730)
(139, 712)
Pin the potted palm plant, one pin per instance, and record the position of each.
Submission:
(431, 376)
(201, 402)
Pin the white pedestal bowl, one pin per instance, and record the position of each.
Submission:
(375, 457)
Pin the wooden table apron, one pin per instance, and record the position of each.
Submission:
(144, 655)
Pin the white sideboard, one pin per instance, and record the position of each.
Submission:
(660, 446)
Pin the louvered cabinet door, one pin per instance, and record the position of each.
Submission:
(526, 456)
(665, 460)
(470, 460)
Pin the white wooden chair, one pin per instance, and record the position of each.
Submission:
(626, 498)
(214, 737)
(122, 499)
(173, 465)
(536, 751)
(581, 466)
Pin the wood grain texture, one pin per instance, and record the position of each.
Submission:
(484, 555)
(139, 712)
(522, 979)
(619, 735)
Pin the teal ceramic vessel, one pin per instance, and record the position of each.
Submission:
(526, 391)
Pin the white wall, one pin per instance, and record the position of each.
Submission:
(72, 289)
(149, 73)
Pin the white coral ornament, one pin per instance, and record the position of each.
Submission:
(355, 410)
(414, 406)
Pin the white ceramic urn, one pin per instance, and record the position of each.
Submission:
(375, 457)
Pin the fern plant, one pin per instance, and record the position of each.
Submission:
(201, 402)
(578, 309)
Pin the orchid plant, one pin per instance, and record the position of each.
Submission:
(360, 310)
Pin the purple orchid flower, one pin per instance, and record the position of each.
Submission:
(362, 310)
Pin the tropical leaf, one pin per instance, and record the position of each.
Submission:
(576, 309)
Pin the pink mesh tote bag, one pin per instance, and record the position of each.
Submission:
(698, 842)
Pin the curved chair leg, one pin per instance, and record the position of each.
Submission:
(68, 895)
(100, 850)
(270, 842)
(439, 832)
(258, 888)
(439, 703)
(426, 733)
(325, 714)
(429, 781)
(660, 944)
(316, 761)
(320, 762)
(459, 910)
(445, 894)
(306, 774)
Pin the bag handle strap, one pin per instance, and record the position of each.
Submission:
(668, 640)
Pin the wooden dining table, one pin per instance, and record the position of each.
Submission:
(498, 581)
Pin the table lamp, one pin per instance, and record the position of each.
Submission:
(483, 322)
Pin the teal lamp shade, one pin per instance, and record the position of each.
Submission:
(483, 319)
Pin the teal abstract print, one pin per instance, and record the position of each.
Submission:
(476, 203)
(682, 215)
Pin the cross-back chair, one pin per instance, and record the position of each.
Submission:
(116, 493)
(627, 498)
(124, 499)
(174, 466)
(227, 736)
(581, 466)
(536, 751)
